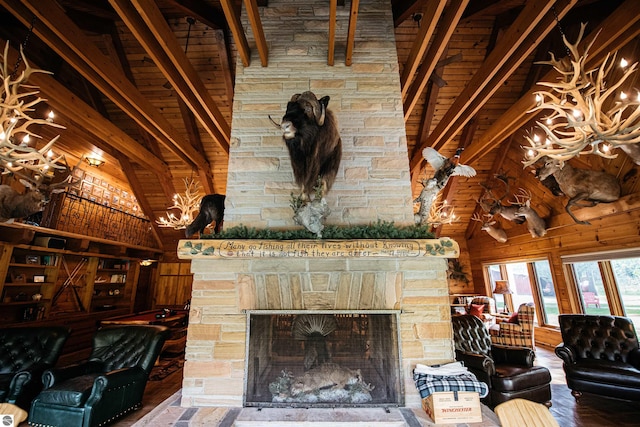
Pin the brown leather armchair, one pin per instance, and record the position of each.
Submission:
(600, 355)
(508, 371)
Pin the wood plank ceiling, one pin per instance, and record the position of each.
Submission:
(135, 79)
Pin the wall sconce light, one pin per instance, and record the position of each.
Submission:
(147, 262)
(95, 162)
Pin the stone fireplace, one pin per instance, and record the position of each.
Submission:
(239, 284)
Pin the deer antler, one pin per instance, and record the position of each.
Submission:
(520, 198)
(188, 205)
(578, 123)
(15, 107)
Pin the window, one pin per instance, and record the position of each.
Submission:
(627, 276)
(608, 283)
(591, 288)
(529, 281)
(548, 301)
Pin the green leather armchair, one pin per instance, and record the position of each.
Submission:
(25, 353)
(107, 386)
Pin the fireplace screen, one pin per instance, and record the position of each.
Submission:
(312, 358)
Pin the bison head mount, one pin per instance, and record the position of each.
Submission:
(310, 131)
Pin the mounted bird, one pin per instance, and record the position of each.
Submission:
(444, 169)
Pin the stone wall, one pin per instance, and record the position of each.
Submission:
(372, 182)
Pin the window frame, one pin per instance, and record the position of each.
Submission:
(541, 318)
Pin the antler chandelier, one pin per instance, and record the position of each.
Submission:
(188, 204)
(17, 146)
(441, 213)
(589, 115)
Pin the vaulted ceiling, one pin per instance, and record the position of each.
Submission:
(135, 79)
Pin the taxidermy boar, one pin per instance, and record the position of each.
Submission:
(310, 132)
(211, 209)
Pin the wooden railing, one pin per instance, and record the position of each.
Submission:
(75, 214)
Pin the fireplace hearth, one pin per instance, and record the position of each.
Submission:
(323, 358)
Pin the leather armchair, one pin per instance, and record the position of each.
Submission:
(25, 353)
(600, 355)
(508, 371)
(107, 386)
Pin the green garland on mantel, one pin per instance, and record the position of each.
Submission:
(379, 230)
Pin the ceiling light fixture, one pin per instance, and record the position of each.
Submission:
(188, 204)
(18, 149)
(95, 162)
(590, 115)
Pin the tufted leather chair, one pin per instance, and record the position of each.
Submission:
(24, 355)
(508, 371)
(600, 355)
(107, 386)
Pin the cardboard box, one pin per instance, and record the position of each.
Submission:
(448, 407)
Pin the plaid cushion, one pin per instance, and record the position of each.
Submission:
(428, 384)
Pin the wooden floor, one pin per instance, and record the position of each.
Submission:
(592, 411)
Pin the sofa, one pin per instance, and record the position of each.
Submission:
(600, 355)
(25, 353)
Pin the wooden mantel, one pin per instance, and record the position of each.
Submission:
(358, 248)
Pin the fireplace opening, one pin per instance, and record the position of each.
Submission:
(323, 359)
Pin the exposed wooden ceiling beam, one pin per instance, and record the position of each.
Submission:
(430, 17)
(201, 11)
(446, 27)
(66, 39)
(69, 105)
(333, 13)
(402, 10)
(139, 192)
(236, 29)
(507, 55)
(146, 22)
(225, 64)
(351, 32)
(616, 31)
(115, 50)
(258, 34)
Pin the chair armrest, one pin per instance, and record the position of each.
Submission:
(114, 380)
(50, 377)
(565, 353)
(478, 362)
(18, 383)
(513, 355)
(634, 358)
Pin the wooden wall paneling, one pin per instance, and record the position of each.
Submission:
(173, 285)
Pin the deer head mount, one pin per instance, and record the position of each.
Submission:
(517, 210)
(38, 191)
(488, 224)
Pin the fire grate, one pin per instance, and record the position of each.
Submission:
(323, 359)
